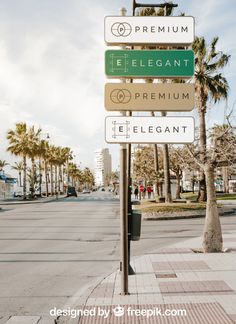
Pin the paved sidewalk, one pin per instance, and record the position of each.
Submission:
(173, 285)
(172, 280)
(26, 202)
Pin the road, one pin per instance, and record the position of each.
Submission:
(50, 253)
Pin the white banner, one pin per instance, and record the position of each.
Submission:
(172, 130)
(149, 30)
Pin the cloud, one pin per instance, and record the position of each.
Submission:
(52, 65)
(52, 70)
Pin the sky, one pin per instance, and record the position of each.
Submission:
(52, 67)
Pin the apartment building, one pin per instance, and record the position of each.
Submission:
(102, 167)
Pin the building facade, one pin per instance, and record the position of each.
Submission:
(7, 186)
(102, 168)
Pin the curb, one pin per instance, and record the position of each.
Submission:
(29, 202)
(169, 217)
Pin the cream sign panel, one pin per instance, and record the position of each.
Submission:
(149, 96)
(149, 130)
(149, 30)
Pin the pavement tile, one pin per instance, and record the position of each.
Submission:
(205, 283)
(180, 265)
(233, 317)
(194, 287)
(202, 313)
(46, 320)
(23, 320)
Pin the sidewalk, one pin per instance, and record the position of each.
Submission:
(36, 201)
(173, 280)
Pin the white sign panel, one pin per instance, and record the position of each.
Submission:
(172, 130)
(149, 30)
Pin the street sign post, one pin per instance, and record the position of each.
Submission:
(154, 31)
(149, 30)
(172, 130)
(149, 96)
(151, 63)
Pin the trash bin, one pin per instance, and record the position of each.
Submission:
(136, 217)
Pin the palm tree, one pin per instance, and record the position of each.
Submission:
(51, 160)
(19, 146)
(88, 177)
(3, 163)
(68, 154)
(44, 154)
(41, 155)
(209, 84)
(34, 141)
(19, 168)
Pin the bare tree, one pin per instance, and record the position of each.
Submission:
(220, 151)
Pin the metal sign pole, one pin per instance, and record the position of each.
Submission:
(124, 210)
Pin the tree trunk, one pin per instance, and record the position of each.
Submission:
(212, 236)
(178, 186)
(54, 174)
(202, 194)
(24, 176)
(40, 178)
(156, 160)
(156, 168)
(166, 163)
(46, 177)
(59, 179)
(225, 173)
(193, 184)
(55, 168)
(51, 180)
(63, 182)
(68, 173)
(20, 179)
(33, 177)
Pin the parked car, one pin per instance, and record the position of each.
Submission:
(18, 194)
(86, 191)
(71, 192)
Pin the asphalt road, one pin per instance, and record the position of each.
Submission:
(50, 253)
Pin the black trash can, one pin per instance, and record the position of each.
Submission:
(136, 218)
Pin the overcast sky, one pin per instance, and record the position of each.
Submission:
(52, 66)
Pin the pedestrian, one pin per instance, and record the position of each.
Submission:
(136, 192)
(141, 188)
(144, 192)
(149, 191)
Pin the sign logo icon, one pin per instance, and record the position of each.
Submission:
(118, 311)
(121, 29)
(120, 96)
(120, 129)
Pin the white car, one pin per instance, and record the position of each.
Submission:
(86, 191)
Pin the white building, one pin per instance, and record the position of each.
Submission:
(6, 186)
(102, 166)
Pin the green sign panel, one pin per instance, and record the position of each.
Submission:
(151, 63)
